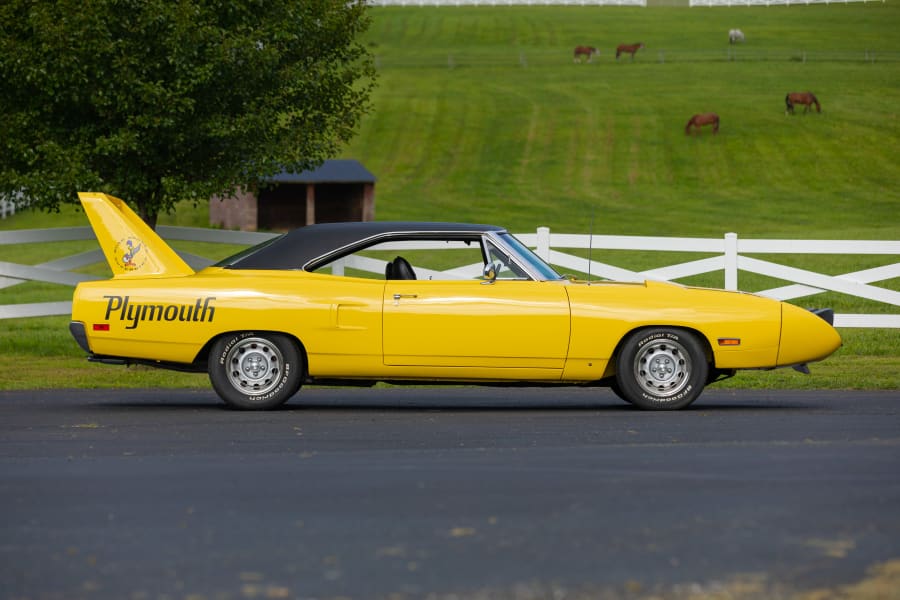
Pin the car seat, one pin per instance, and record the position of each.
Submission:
(399, 268)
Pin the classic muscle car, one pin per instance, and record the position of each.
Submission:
(359, 303)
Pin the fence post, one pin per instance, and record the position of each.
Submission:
(8, 207)
(337, 267)
(543, 243)
(731, 275)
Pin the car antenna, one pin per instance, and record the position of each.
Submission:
(590, 247)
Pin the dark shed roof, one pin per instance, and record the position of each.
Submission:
(330, 171)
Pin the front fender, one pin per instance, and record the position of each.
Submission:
(805, 337)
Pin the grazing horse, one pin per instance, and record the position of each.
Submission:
(629, 49)
(700, 120)
(805, 98)
(582, 51)
(735, 35)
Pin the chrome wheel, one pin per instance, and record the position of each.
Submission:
(255, 371)
(662, 368)
(254, 366)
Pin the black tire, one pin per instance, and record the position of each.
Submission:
(661, 368)
(614, 386)
(255, 371)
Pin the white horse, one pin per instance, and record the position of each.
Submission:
(735, 35)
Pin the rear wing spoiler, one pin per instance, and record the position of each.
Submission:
(130, 246)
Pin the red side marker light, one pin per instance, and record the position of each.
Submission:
(101, 326)
(729, 341)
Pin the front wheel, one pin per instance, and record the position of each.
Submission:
(661, 368)
(255, 371)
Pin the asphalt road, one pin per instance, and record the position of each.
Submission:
(443, 493)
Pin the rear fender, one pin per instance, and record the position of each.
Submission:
(202, 357)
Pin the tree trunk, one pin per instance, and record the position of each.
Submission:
(148, 214)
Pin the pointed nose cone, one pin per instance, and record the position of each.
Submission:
(805, 337)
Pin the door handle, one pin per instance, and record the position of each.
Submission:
(398, 296)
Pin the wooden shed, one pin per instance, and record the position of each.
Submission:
(339, 190)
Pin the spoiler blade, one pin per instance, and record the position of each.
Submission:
(130, 246)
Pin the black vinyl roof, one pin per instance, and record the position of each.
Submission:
(301, 248)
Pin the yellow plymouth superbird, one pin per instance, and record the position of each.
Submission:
(477, 307)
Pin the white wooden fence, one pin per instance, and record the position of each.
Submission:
(8, 204)
(599, 2)
(507, 2)
(732, 258)
(731, 255)
(771, 2)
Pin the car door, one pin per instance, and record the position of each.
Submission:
(473, 323)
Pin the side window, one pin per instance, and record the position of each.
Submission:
(429, 259)
(508, 269)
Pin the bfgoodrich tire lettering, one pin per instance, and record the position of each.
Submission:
(255, 371)
(661, 368)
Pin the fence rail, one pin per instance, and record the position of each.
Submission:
(731, 256)
(600, 2)
(771, 2)
(507, 2)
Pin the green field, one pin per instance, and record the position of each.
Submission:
(481, 115)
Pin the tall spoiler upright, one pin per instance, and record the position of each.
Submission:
(131, 248)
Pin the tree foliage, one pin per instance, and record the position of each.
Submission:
(157, 101)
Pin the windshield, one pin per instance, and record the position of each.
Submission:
(524, 254)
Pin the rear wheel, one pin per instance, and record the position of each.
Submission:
(661, 368)
(255, 371)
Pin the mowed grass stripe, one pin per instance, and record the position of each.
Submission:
(525, 137)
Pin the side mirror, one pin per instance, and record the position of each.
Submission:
(490, 272)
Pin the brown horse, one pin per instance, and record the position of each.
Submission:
(805, 98)
(701, 119)
(581, 51)
(628, 49)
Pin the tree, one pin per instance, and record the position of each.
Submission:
(157, 101)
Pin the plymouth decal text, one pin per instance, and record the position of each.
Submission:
(136, 312)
